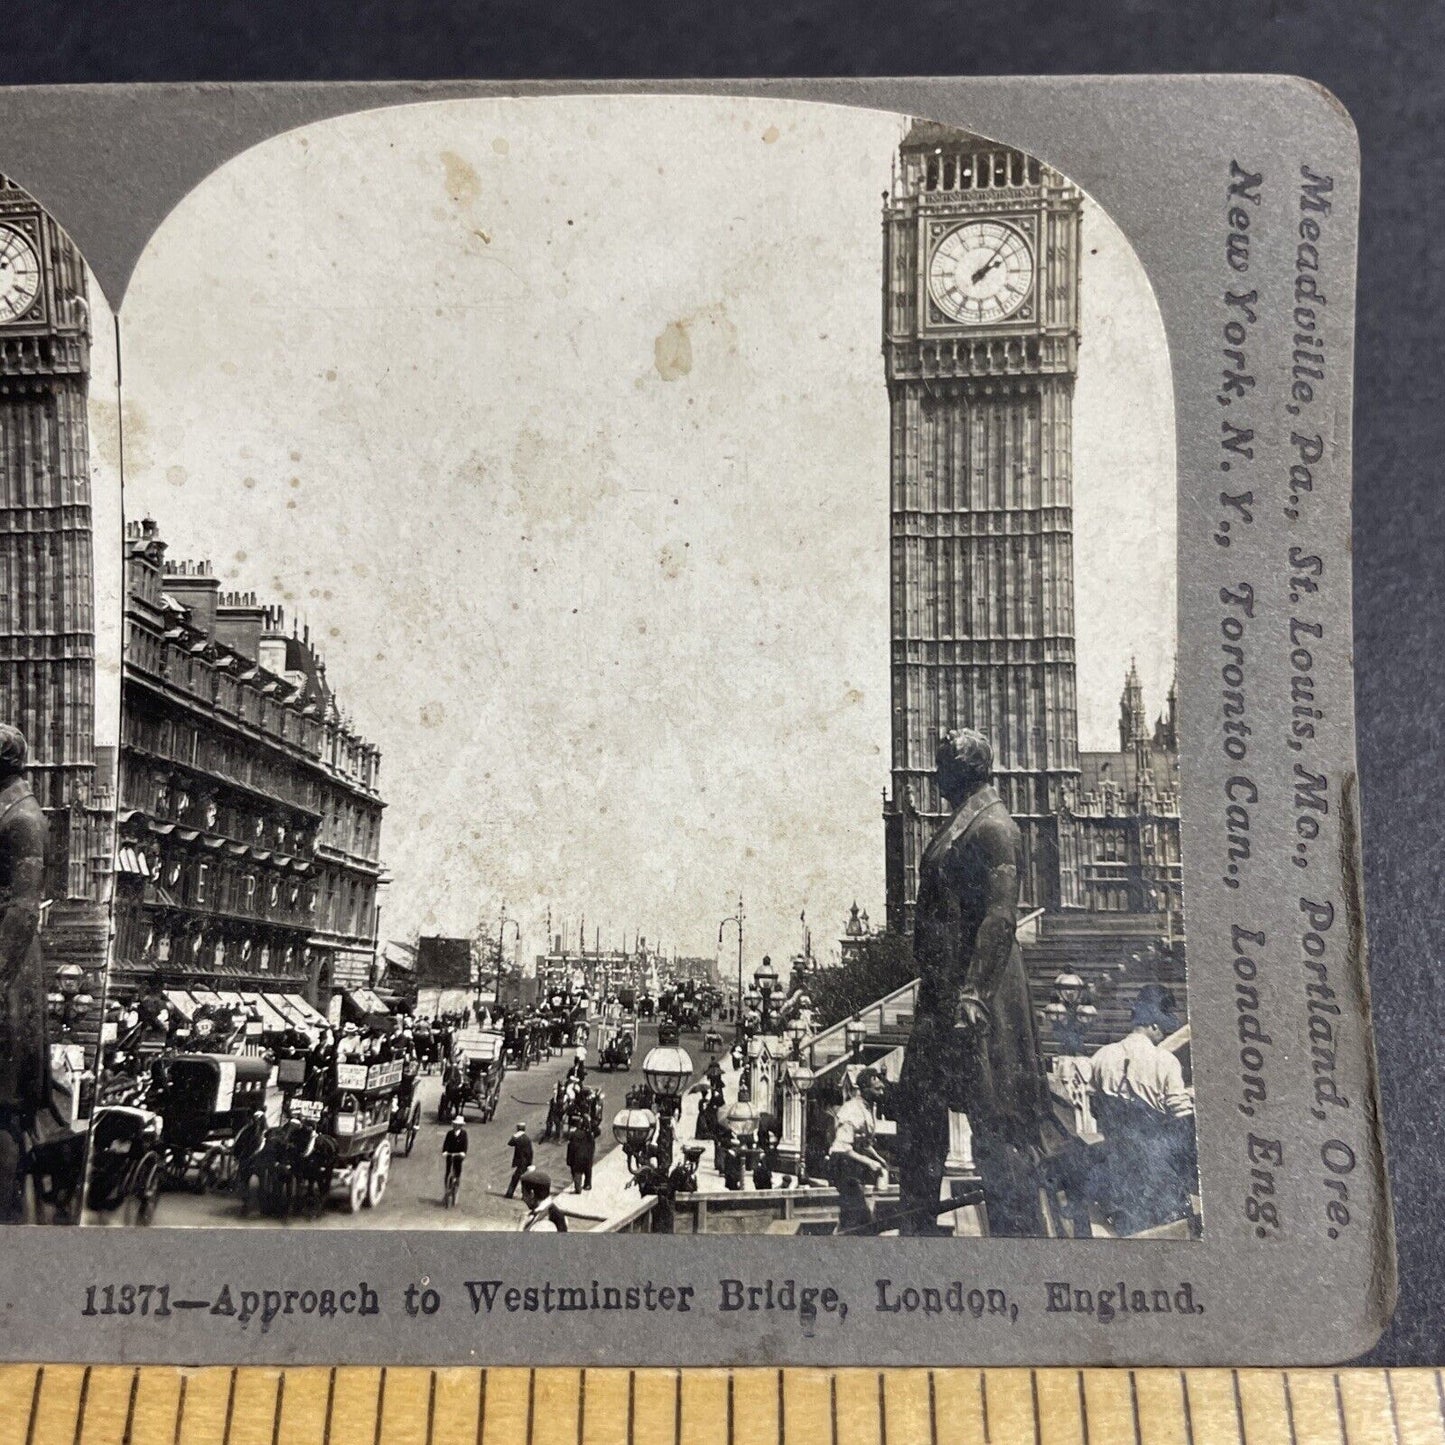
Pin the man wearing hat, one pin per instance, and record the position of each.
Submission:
(1144, 1110)
(974, 1046)
(24, 1054)
(521, 1146)
(544, 1217)
(1136, 1069)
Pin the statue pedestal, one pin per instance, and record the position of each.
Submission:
(960, 1145)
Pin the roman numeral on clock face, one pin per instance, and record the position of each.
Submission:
(19, 274)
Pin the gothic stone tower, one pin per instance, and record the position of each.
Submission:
(980, 343)
(47, 645)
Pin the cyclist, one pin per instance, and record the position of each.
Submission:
(454, 1151)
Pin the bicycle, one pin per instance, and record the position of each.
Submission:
(453, 1183)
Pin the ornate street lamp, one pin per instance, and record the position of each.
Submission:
(72, 1001)
(1070, 1011)
(742, 1119)
(633, 1128)
(855, 1034)
(668, 1071)
(797, 1032)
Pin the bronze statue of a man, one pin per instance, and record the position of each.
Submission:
(974, 1046)
(24, 1055)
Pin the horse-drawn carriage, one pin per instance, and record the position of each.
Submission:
(211, 1106)
(406, 1109)
(617, 1049)
(341, 1140)
(125, 1168)
(473, 1076)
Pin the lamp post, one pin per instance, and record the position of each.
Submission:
(855, 1034)
(765, 980)
(501, 946)
(633, 1128)
(668, 1071)
(72, 1001)
(1070, 1011)
(736, 918)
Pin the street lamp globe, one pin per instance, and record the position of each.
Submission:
(69, 979)
(766, 976)
(855, 1034)
(632, 1128)
(667, 1069)
(1071, 988)
(742, 1119)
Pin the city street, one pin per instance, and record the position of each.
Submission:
(413, 1197)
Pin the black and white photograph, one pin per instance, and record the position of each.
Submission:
(649, 693)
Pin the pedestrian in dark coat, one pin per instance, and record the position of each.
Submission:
(581, 1149)
(521, 1145)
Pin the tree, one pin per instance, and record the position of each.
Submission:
(881, 964)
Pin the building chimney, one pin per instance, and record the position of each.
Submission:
(194, 587)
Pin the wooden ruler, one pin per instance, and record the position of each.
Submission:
(123, 1405)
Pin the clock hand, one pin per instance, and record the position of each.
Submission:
(987, 265)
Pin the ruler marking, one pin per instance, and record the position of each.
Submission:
(1394, 1411)
(34, 1405)
(230, 1408)
(80, 1408)
(1188, 1409)
(180, 1411)
(791, 1427)
(330, 1403)
(129, 1433)
(276, 1414)
(381, 1409)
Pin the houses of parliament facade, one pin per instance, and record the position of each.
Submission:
(981, 259)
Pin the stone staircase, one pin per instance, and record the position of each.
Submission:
(1116, 954)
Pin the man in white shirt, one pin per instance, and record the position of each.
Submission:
(853, 1159)
(1136, 1069)
(1148, 1168)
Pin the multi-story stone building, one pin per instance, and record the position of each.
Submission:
(249, 808)
(1125, 815)
(47, 578)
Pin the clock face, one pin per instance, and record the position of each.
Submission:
(19, 275)
(981, 271)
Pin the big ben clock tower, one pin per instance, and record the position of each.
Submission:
(47, 642)
(980, 344)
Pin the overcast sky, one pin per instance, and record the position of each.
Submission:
(563, 423)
